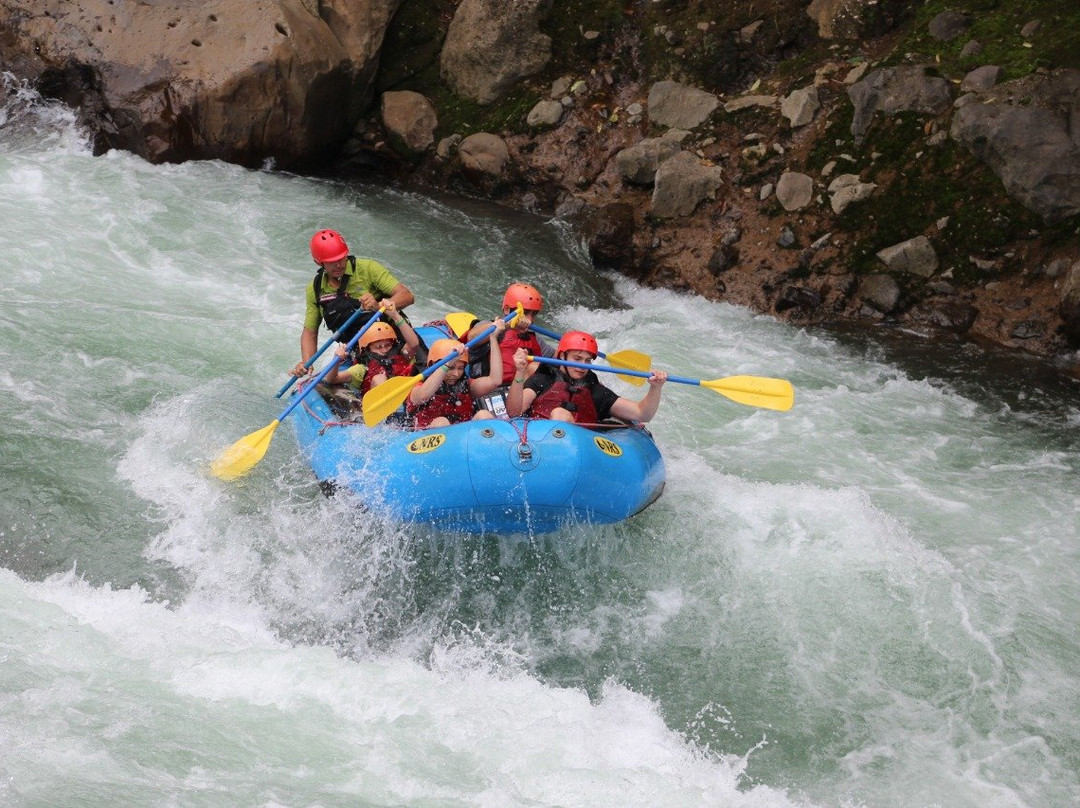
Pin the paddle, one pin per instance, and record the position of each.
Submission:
(241, 457)
(460, 322)
(381, 401)
(317, 354)
(754, 391)
(629, 360)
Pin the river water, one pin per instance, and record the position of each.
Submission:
(868, 600)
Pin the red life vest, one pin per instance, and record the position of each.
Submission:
(573, 396)
(394, 364)
(453, 402)
(509, 341)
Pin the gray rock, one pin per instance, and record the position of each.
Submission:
(491, 45)
(971, 49)
(948, 25)
(794, 190)
(881, 292)
(897, 89)
(980, 79)
(1034, 148)
(638, 163)
(483, 156)
(800, 105)
(848, 188)
(915, 256)
(255, 81)
(545, 114)
(410, 121)
(678, 106)
(682, 183)
(1069, 307)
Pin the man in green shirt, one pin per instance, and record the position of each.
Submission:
(342, 285)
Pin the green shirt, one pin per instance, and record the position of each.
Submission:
(361, 275)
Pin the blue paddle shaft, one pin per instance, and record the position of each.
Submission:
(333, 364)
(450, 357)
(556, 335)
(608, 369)
(320, 352)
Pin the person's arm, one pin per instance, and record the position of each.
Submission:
(485, 384)
(402, 296)
(309, 337)
(644, 409)
(412, 340)
(516, 394)
(376, 281)
(429, 387)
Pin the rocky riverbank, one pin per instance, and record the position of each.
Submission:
(823, 162)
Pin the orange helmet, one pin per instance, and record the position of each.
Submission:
(328, 245)
(375, 333)
(578, 341)
(524, 294)
(442, 348)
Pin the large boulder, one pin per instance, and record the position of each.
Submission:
(239, 80)
(897, 89)
(853, 19)
(678, 106)
(1028, 133)
(483, 157)
(1069, 308)
(638, 163)
(491, 45)
(681, 183)
(410, 122)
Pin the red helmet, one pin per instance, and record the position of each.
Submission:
(524, 294)
(328, 245)
(441, 348)
(377, 332)
(577, 341)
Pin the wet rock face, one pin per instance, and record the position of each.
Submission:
(610, 235)
(240, 80)
(1069, 307)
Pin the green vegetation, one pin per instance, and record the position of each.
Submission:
(923, 184)
(996, 24)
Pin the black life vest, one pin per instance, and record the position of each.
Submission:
(336, 308)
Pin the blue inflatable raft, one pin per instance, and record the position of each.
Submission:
(494, 476)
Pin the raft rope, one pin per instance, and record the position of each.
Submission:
(522, 432)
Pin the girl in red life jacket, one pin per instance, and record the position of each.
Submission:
(446, 396)
(575, 394)
(377, 356)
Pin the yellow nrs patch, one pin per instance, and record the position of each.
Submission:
(608, 447)
(428, 443)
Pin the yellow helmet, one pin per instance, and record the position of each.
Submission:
(442, 348)
(375, 333)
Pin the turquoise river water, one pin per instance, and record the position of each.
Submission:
(870, 600)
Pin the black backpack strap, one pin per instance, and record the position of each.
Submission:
(316, 286)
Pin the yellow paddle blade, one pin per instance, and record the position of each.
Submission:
(755, 391)
(631, 360)
(241, 457)
(460, 322)
(379, 402)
